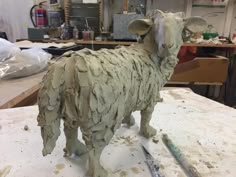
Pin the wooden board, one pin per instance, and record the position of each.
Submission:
(210, 45)
(104, 42)
(129, 43)
(202, 70)
(85, 42)
(204, 131)
(16, 91)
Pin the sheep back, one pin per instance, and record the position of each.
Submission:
(101, 87)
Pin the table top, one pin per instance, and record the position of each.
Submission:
(204, 131)
(84, 42)
(210, 45)
(129, 43)
(104, 42)
(15, 90)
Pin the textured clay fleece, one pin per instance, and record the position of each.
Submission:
(99, 88)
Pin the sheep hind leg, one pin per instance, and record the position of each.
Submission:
(129, 120)
(145, 128)
(73, 145)
(95, 168)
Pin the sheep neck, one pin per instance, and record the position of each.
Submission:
(167, 65)
(167, 62)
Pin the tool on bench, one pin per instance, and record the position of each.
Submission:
(152, 165)
(190, 170)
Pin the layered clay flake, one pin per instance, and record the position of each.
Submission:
(98, 90)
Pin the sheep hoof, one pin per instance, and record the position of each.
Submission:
(148, 132)
(67, 153)
(101, 172)
(159, 99)
(77, 149)
(130, 121)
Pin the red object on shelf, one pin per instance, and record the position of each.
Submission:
(234, 36)
(186, 54)
(41, 18)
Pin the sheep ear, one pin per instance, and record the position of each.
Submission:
(195, 24)
(161, 12)
(180, 14)
(140, 27)
(154, 13)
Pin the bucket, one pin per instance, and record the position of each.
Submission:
(91, 35)
(55, 18)
(88, 35)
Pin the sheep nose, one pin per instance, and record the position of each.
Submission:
(164, 46)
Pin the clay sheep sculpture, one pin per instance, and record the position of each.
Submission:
(97, 91)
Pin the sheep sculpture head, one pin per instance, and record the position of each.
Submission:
(163, 31)
(97, 91)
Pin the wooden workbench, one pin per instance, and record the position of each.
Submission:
(203, 130)
(126, 43)
(18, 92)
(210, 45)
(129, 43)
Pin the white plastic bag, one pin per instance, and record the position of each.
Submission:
(7, 50)
(26, 63)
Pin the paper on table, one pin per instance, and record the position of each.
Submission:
(29, 44)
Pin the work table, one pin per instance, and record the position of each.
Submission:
(126, 43)
(210, 45)
(204, 131)
(16, 92)
(83, 42)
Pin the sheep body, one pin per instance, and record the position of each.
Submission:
(98, 90)
(119, 81)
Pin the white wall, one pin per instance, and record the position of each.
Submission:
(218, 17)
(167, 5)
(14, 18)
(214, 16)
(14, 15)
(233, 24)
(90, 1)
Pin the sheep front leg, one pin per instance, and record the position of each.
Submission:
(73, 145)
(95, 168)
(145, 128)
(129, 120)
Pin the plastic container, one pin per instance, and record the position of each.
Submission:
(55, 18)
(75, 33)
(86, 35)
(210, 35)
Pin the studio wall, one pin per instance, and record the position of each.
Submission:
(15, 18)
